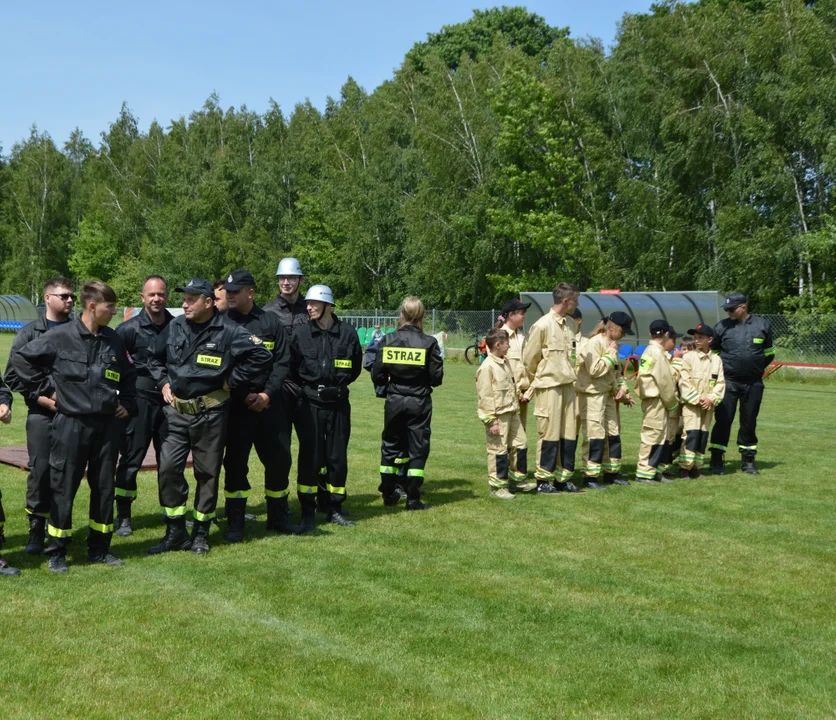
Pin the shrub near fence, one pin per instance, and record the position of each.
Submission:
(798, 338)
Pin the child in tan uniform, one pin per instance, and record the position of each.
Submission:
(513, 318)
(498, 408)
(657, 390)
(702, 387)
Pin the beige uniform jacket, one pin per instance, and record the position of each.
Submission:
(495, 389)
(516, 348)
(597, 367)
(656, 379)
(701, 374)
(549, 353)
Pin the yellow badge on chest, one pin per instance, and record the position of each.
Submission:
(112, 375)
(212, 360)
(270, 345)
(344, 364)
(404, 356)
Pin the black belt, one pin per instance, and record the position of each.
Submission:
(146, 383)
(326, 393)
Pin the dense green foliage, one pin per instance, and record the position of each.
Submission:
(699, 153)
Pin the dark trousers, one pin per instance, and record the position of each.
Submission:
(139, 432)
(205, 435)
(749, 395)
(289, 407)
(79, 443)
(323, 452)
(38, 433)
(265, 431)
(406, 424)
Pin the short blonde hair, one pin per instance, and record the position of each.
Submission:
(412, 311)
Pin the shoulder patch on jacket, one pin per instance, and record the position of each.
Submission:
(645, 364)
(255, 340)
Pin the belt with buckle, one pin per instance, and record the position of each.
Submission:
(202, 403)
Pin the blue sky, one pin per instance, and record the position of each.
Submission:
(72, 64)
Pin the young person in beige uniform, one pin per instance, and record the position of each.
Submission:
(601, 388)
(702, 387)
(498, 409)
(657, 390)
(549, 359)
(513, 319)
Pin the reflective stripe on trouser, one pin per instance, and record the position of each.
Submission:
(204, 434)
(557, 433)
(750, 396)
(673, 438)
(38, 489)
(696, 423)
(79, 443)
(324, 431)
(406, 431)
(601, 427)
(653, 447)
(262, 430)
(138, 432)
(502, 450)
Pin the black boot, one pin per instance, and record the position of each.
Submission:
(566, 486)
(176, 537)
(7, 570)
(278, 517)
(336, 516)
(57, 559)
(308, 520)
(236, 508)
(593, 484)
(717, 464)
(747, 463)
(122, 525)
(615, 479)
(37, 535)
(200, 536)
(416, 505)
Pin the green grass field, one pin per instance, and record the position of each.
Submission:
(704, 599)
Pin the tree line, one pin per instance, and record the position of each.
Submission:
(699, 152)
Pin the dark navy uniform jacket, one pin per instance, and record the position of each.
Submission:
(268, 327)
(329, 358)
(140, 336)
(27, 334)
(291, 316)
(89, 374)
(744, 347)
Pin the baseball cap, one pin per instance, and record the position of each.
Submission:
(623, 320)
(702, 330)
(238, 279)
(733, 300)
(513, 305)
(197, 286)
(660, 327)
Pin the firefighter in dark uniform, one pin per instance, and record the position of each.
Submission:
(140, 335)
(257, 419)
(93, 379)
(206, 357)
(325, 357)
(58, 299)
(744, 343)
(410, 365)
(5, 418)
(292, 311)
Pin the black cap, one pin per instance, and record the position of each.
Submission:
(623, 320)
(197, 286)
(577, 314)
(702, 330)
(513, 305)
(660, 327)
(238, 279)
(733, 300)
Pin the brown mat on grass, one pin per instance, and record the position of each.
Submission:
(18, 456)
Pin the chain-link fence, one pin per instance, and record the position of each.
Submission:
(798, 338)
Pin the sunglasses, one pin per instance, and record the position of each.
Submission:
(732, 309)
(63, 296)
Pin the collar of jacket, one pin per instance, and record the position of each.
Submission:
(146, 321)
(84, 331)
(41, 322)
(334, 329)
(413, 328)
(255, 312)
(216, 321)
(557, 316)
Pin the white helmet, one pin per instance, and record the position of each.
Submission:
(289, 266)
(320, 292)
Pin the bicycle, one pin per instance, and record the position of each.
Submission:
(475, 354)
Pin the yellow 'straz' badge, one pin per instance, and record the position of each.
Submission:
(212, 360)
(404, 356)
(645, 365)
(345, 364)
(270, 344)
(112, 375)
